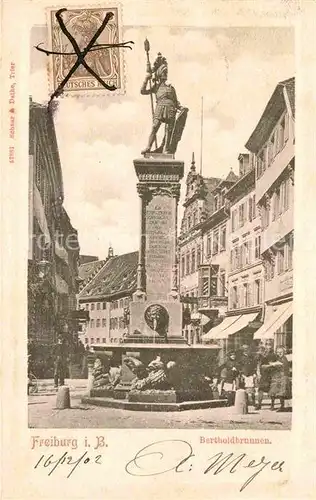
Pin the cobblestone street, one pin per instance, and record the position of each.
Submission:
(43, 414)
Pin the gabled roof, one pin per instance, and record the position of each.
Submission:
(272, 113)
(89, 268)
(232, 177)
(116, 277)
(226, 183)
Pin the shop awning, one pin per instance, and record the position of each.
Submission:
(275, 321)
(229, 326)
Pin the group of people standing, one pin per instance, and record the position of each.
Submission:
(258, 373)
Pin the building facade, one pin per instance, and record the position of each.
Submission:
(272, 144)
(106, 298)
(213, 272)
(198, 205)
(53, 242)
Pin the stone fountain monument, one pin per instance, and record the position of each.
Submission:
(156, 368)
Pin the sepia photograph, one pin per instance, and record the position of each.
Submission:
(161, 228)
(157, 309)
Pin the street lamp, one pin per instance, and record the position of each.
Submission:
(43, 268)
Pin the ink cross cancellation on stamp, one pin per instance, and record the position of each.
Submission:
(101, 65)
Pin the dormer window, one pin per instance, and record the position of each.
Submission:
(216, 202)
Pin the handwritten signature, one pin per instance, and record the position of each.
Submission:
(177, 455)
(51, 463)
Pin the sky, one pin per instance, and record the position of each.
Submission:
(235, 70)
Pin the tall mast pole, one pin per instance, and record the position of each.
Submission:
(201, 146)
(147, 49)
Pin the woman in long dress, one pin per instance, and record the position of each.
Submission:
(280, 382)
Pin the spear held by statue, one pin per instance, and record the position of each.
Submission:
(147, 49)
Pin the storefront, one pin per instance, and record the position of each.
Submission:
(277, 326)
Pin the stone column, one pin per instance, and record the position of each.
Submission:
(140, 294)
(156, 311)
(174, 294)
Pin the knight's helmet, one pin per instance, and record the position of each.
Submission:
(160, 66)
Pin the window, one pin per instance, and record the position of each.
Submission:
(276, 205)
(281, 134)
(257, 292)
(234, 220)
(254, 207)
(182, 266)
(216, 202)
(261, 163)
(209, 244)
(250, 209)
(189, 222)
(280, 261)
(236, 258)
(257, 247)
(198, 256)
(241, 214)
(215, 242)
(121, 323)
(271, 150)
(121, 303)
(92, 340)
(234, 299)
(245, 254)
(286, 194)
(290, 251)
(104, 305)
(92, 306)
(98, 306)
(193, 263)
(92, 323)
(222, 284)
(103, 341)
(98, 323)
(245, 295)
(87, 307)
(103, 322)
(98, 341)
(223, 238)
(86, 340)
(187, 264)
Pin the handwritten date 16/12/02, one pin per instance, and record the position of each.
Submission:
(50, 463)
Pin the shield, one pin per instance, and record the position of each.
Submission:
(178, 129)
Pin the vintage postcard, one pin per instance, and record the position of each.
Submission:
(158, 260)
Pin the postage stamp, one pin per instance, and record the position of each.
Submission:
(70, 33)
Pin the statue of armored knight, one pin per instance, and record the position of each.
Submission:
(168, 109)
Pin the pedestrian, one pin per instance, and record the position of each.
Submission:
(247, 373)
(60, 362)
(264, 357)
(227, 379)
(280, 382)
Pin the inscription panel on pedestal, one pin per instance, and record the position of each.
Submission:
(160, 234)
